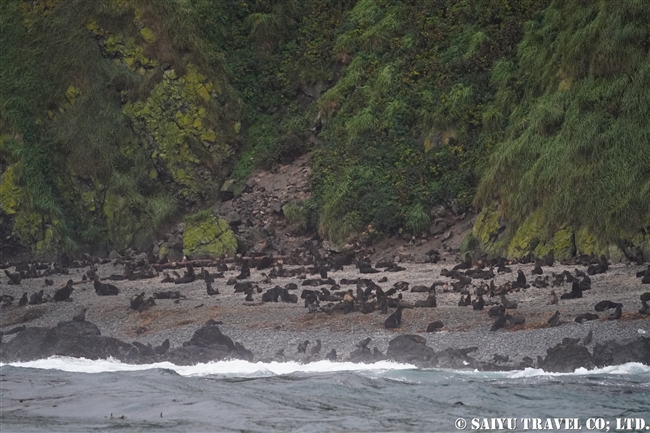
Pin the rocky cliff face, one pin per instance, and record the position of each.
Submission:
(132, 123)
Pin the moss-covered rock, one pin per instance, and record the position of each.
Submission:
(527, 237)
(207, 236)
(181, 134)
(562, 244)
(487, 225)
(488, 231)
(9, 192)
(586, 243)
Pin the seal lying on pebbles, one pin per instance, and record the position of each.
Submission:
(302, 347)
(64, 293)
(555, 319)
(394, 319)
(104, 289)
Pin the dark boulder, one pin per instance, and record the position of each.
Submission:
(212, 337)
(411, 349)
(566, 358)
(621, 352)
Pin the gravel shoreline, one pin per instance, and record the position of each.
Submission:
(266, 328)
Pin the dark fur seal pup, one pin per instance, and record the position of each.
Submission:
(139, 303)
(79, 314)
(465, 300)
(63, 293)
(521, 280)
(515, 320)
(605, 305)
(105, 289)
(618, 312)
(245, 271)
(576, 292)
(36, 298)
(555, 319)
(394, 320)
(273, 295)
(168, 295)
(501, 358)
(288, 297)
(163, 348)
(265, 262)
(188, 277)
(510, 305)
(49, 282)
(496, 311)
(302, 347)
(430, 302)
(549, 259)
(553, 300)
(646, 277)
(331, 356)
(478, 304)
(208, 284)
(364, 343)
(645, 298)
(585, 317)
(14, 277)
(537, 270)
(434, 326)
(499, 323)
(316, 349)
(23, 301)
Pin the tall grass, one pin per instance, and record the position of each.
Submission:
(577, 141)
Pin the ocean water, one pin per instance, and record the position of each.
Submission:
(77, 395)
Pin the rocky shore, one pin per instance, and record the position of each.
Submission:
(192, 326)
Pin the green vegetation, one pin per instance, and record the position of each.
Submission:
(570, 118)
(93, 147)
(118, 115)
(296, 215)
(207, 236)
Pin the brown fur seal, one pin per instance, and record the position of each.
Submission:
(64, 293)
(394, 320)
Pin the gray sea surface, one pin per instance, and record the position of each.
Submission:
(77, 395)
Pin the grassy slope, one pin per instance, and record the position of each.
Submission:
(409, 100)
(91, 134)
(570, 119)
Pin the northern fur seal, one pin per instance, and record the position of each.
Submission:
(316, 349)
(364, 343)
(79, 314)
(499, 323)
(585, 317)
(434, 326)
(104, 289)
(605, 305)
(14, 277)
(555, 319)
(188, 277)
(208, 283)
(302, 347)
(64, 293)
(245, 271)
(394, 320)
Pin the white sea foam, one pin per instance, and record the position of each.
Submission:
(239, 368)
(629, 368)
(235, 368)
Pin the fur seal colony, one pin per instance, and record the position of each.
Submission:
(314, 294)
